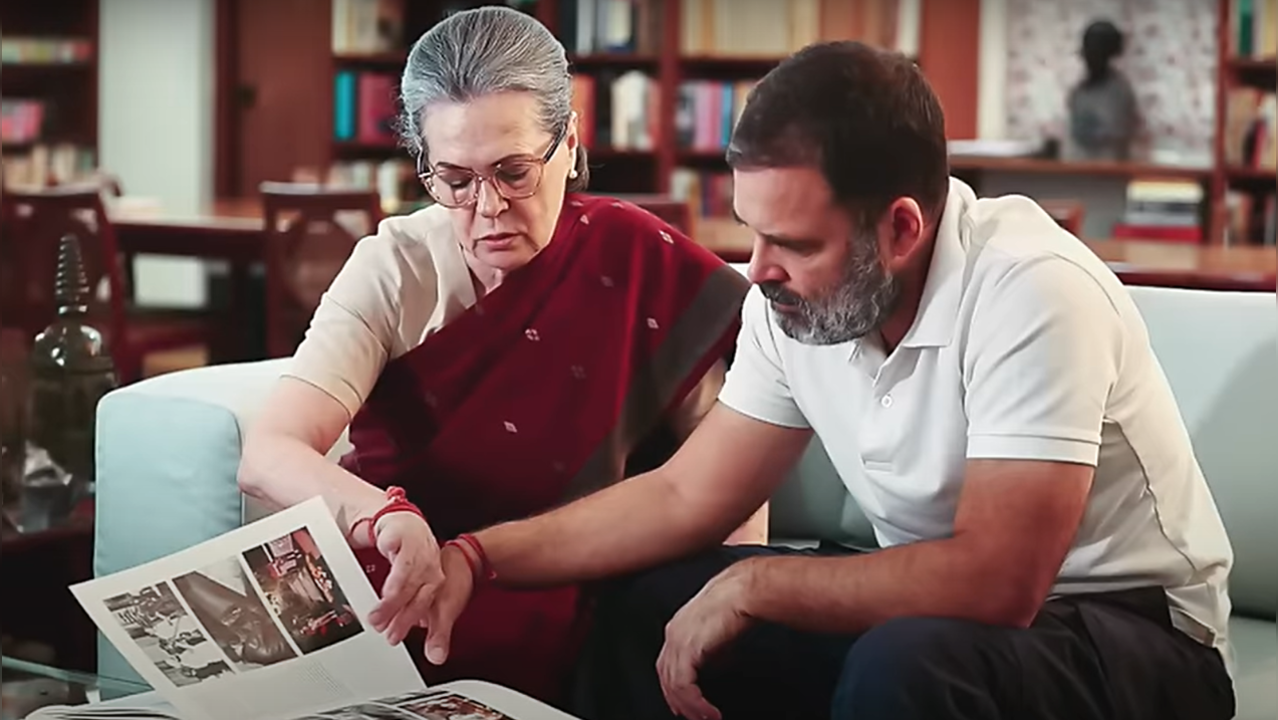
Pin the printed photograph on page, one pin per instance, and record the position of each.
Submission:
(233, 612)
(410, 697)
(450, 706)
(367, 711)
(266, 618)
(422, 705)
(301, 592)
(167, 635)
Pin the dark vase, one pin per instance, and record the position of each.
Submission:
(70, 370)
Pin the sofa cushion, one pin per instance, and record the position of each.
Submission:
(1255, 645)
(814, 503)
(168, 451)
(166, 446)
(1219, 351)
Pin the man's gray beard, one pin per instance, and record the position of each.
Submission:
(859, 303)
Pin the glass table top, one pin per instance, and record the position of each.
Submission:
(26, 686)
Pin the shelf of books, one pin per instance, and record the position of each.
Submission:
(369, 47)
(657, 84)
(658, 95)
(48, 82)
(1249, 124)
(370, 43)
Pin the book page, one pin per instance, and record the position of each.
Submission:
(266, 621)
(461, 700)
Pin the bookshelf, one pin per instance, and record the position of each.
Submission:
(1228, 202)
(663, 93)
(1246, 133)
(659, 89)
(49, 86)
(643, 71)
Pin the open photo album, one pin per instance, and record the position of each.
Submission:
(268, 621)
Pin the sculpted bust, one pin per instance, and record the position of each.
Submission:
(1102, 110)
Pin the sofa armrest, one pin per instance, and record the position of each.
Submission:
(168, 450)
(167, 456)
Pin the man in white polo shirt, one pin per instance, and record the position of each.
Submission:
(986, 390)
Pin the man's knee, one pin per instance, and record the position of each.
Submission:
(618, 676)
(908, 667)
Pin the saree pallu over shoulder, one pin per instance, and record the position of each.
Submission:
(536, 394)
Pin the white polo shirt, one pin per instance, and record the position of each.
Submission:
(1025, 346)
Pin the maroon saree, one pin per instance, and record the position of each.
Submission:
(535, 396)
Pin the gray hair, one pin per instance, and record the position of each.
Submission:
(478, 52)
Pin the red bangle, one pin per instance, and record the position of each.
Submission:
(470, 560)
(395, 502)
(480, 568)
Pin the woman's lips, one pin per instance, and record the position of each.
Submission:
(498, 241)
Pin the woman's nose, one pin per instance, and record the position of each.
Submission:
(490, 202)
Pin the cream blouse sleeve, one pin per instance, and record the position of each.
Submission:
(359, 324)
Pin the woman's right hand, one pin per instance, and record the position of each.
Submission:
(450, 601)
(407, 543)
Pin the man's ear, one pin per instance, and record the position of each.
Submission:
(901, 230)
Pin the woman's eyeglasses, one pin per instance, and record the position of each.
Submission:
(514, 179)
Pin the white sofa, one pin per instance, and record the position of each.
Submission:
(167, 450)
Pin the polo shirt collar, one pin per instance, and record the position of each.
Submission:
(934, 324)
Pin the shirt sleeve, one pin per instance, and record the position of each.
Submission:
(1043, 357)
(351, 334)
(756, 385)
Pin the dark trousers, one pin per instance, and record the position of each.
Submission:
(1111, 656)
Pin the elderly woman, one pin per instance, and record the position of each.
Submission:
(496, 354)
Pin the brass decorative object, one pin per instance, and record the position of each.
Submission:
(70, 370)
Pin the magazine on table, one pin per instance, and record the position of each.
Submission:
(269, 621)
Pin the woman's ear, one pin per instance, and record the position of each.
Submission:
(573, 128)
(572, 140)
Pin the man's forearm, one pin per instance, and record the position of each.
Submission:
(633, 524)
(850, 594)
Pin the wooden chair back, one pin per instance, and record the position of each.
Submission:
(1069, 214)
(34, 223)
(675, 212)
(310, 232)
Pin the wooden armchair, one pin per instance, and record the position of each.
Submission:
(34, 223)
(310, 232)
(675, 212)
(1069, 214)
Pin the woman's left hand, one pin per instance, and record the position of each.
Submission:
(709, 621)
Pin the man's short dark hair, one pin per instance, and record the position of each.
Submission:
(866, 117)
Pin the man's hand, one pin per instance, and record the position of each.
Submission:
(450, 601)
(709, 621)
(407, 542)
(726, 471)
(1014, 526)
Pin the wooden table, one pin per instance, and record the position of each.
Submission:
(231, 230)
(1210, 267)
(36, 605)
(1136, 262)
(227, 231)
